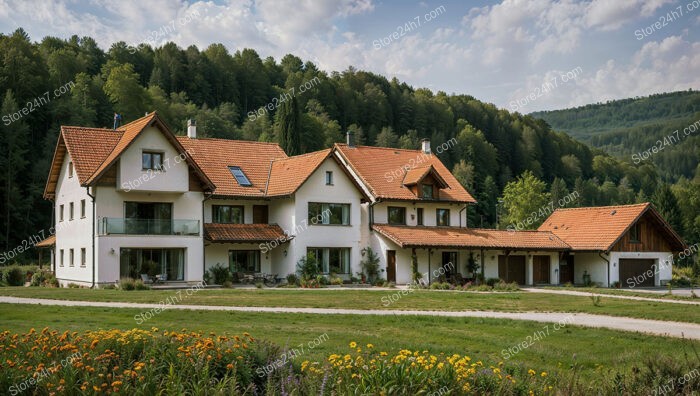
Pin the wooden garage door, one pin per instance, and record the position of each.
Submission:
(513, 270)
(540, 270)
(635, 270)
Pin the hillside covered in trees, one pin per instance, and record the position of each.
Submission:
(239, 96)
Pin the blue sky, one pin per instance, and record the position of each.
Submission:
(515, 54)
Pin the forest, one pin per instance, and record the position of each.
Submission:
(83, 84)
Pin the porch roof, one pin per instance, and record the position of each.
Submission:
(47, 243)
(454, 237)
(243, 233)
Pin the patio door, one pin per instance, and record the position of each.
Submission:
(449, 263)
(512, 268)
(168, 262)
(540, 270)
(391, 266)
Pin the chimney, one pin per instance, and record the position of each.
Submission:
(349, 139)
(192, 128)
(425, 146)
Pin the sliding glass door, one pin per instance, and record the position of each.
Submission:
(169, 263)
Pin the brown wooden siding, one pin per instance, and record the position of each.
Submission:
(195, 183)
(650, 240)
(109, 178)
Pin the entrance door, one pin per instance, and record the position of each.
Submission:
(566, 269)
(449, 264)
(391, 266)
(260, 214)
(512, 269)
(540, 270)
(635, 272)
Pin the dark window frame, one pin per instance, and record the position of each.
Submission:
(432, 191)
(419, 217)
(242, 179)
(388, 215)
(256, 253)
(329, 178)
(437, 217)
(152, 165)
(636, 233)
(217, 219)
(82, 208)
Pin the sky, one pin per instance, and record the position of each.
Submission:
(519, 55)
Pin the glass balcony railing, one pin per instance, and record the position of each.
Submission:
(120, 226)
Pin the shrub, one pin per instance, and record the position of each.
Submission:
(322, 280)
(492, 281)
(139, 285)
(258, 285)
(307, 267)
(309, 283)
(503, 286)
(72, 285)
(440, 286)
(336, 281)
(682, 276)
(44, 279)
(292, 279)
(370, 264)
(14, 276)
(219, 274)
(127, 284)
(227, 284)
(109, 286)
(379, 282)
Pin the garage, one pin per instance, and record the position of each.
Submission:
(637, 272)
(512, 269)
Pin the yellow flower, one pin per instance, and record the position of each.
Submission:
(353, 345)
(544, 374)
(370, 346)
(531, 372)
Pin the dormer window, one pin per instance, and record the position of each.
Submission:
(151, 160)
(427, 191)
(241, 178)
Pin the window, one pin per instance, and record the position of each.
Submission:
(332, 260)
(635, 233)
(71, 211)
(60, 213)
(419, 214)
(71, 257)
(241, 178)
(169, 263)
(61, 258)
(82, 257)
(151, 161)
(442, 217)
(329, 213)
(244, 260)
(397, 215)
(227, 214)
(329, 178)
(148, 218)
(427, 190)
(70, 169)
(82, 208)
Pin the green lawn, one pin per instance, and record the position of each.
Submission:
(371, 299)
(597, 350)
(626, 292)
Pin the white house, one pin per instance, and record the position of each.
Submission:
(139, 200)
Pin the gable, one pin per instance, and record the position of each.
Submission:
(652, 237)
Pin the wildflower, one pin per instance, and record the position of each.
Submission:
(353, 345)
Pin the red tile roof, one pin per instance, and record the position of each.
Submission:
(599, 228)
(243, 233)
(214, 156)
(289, 174)
(454, 237)
(382, 170)
(48, 242)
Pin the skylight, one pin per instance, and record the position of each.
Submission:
(241, 178)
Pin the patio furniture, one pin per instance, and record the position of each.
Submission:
(146, 279)
(271, 280)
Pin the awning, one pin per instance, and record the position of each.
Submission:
(475, 238)
(47, 243)
(244, 233)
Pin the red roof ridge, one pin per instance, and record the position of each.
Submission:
(606, 207)
(380, 147)
(229, 140)
(313, 153)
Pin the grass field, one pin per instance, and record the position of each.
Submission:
(596, 350)
(370, 299)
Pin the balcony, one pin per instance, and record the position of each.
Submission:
(120, 226)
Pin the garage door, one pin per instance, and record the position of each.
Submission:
(512, 269)
(634, 272)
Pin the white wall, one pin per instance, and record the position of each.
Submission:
(594, 265)
(173, 178)
(381, 212)
(217, 253)
(663, 261)
(72, 234)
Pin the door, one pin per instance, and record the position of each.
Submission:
(260, 214)
(566, 269)
(512, 269)
(449, 264)
(540, 270)
(391, 266)
(636, 272)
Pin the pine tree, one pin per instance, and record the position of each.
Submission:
(289, 127)
(667, 204)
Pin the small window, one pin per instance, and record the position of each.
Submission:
(329, 178)
(71, 211)
(419, 214)
(397, 215)
(82, 257)
(427, 190)
(227, 214)
(151, 161)
(82, 208)
(61, 258)
(635, 233)
(443, 217)
(241, 178)
(60, 213)
(71, 257)
(70, 169)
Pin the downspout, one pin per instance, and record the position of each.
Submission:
(94, 217)
(607, 261)
(460, 216)
(204, 255)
